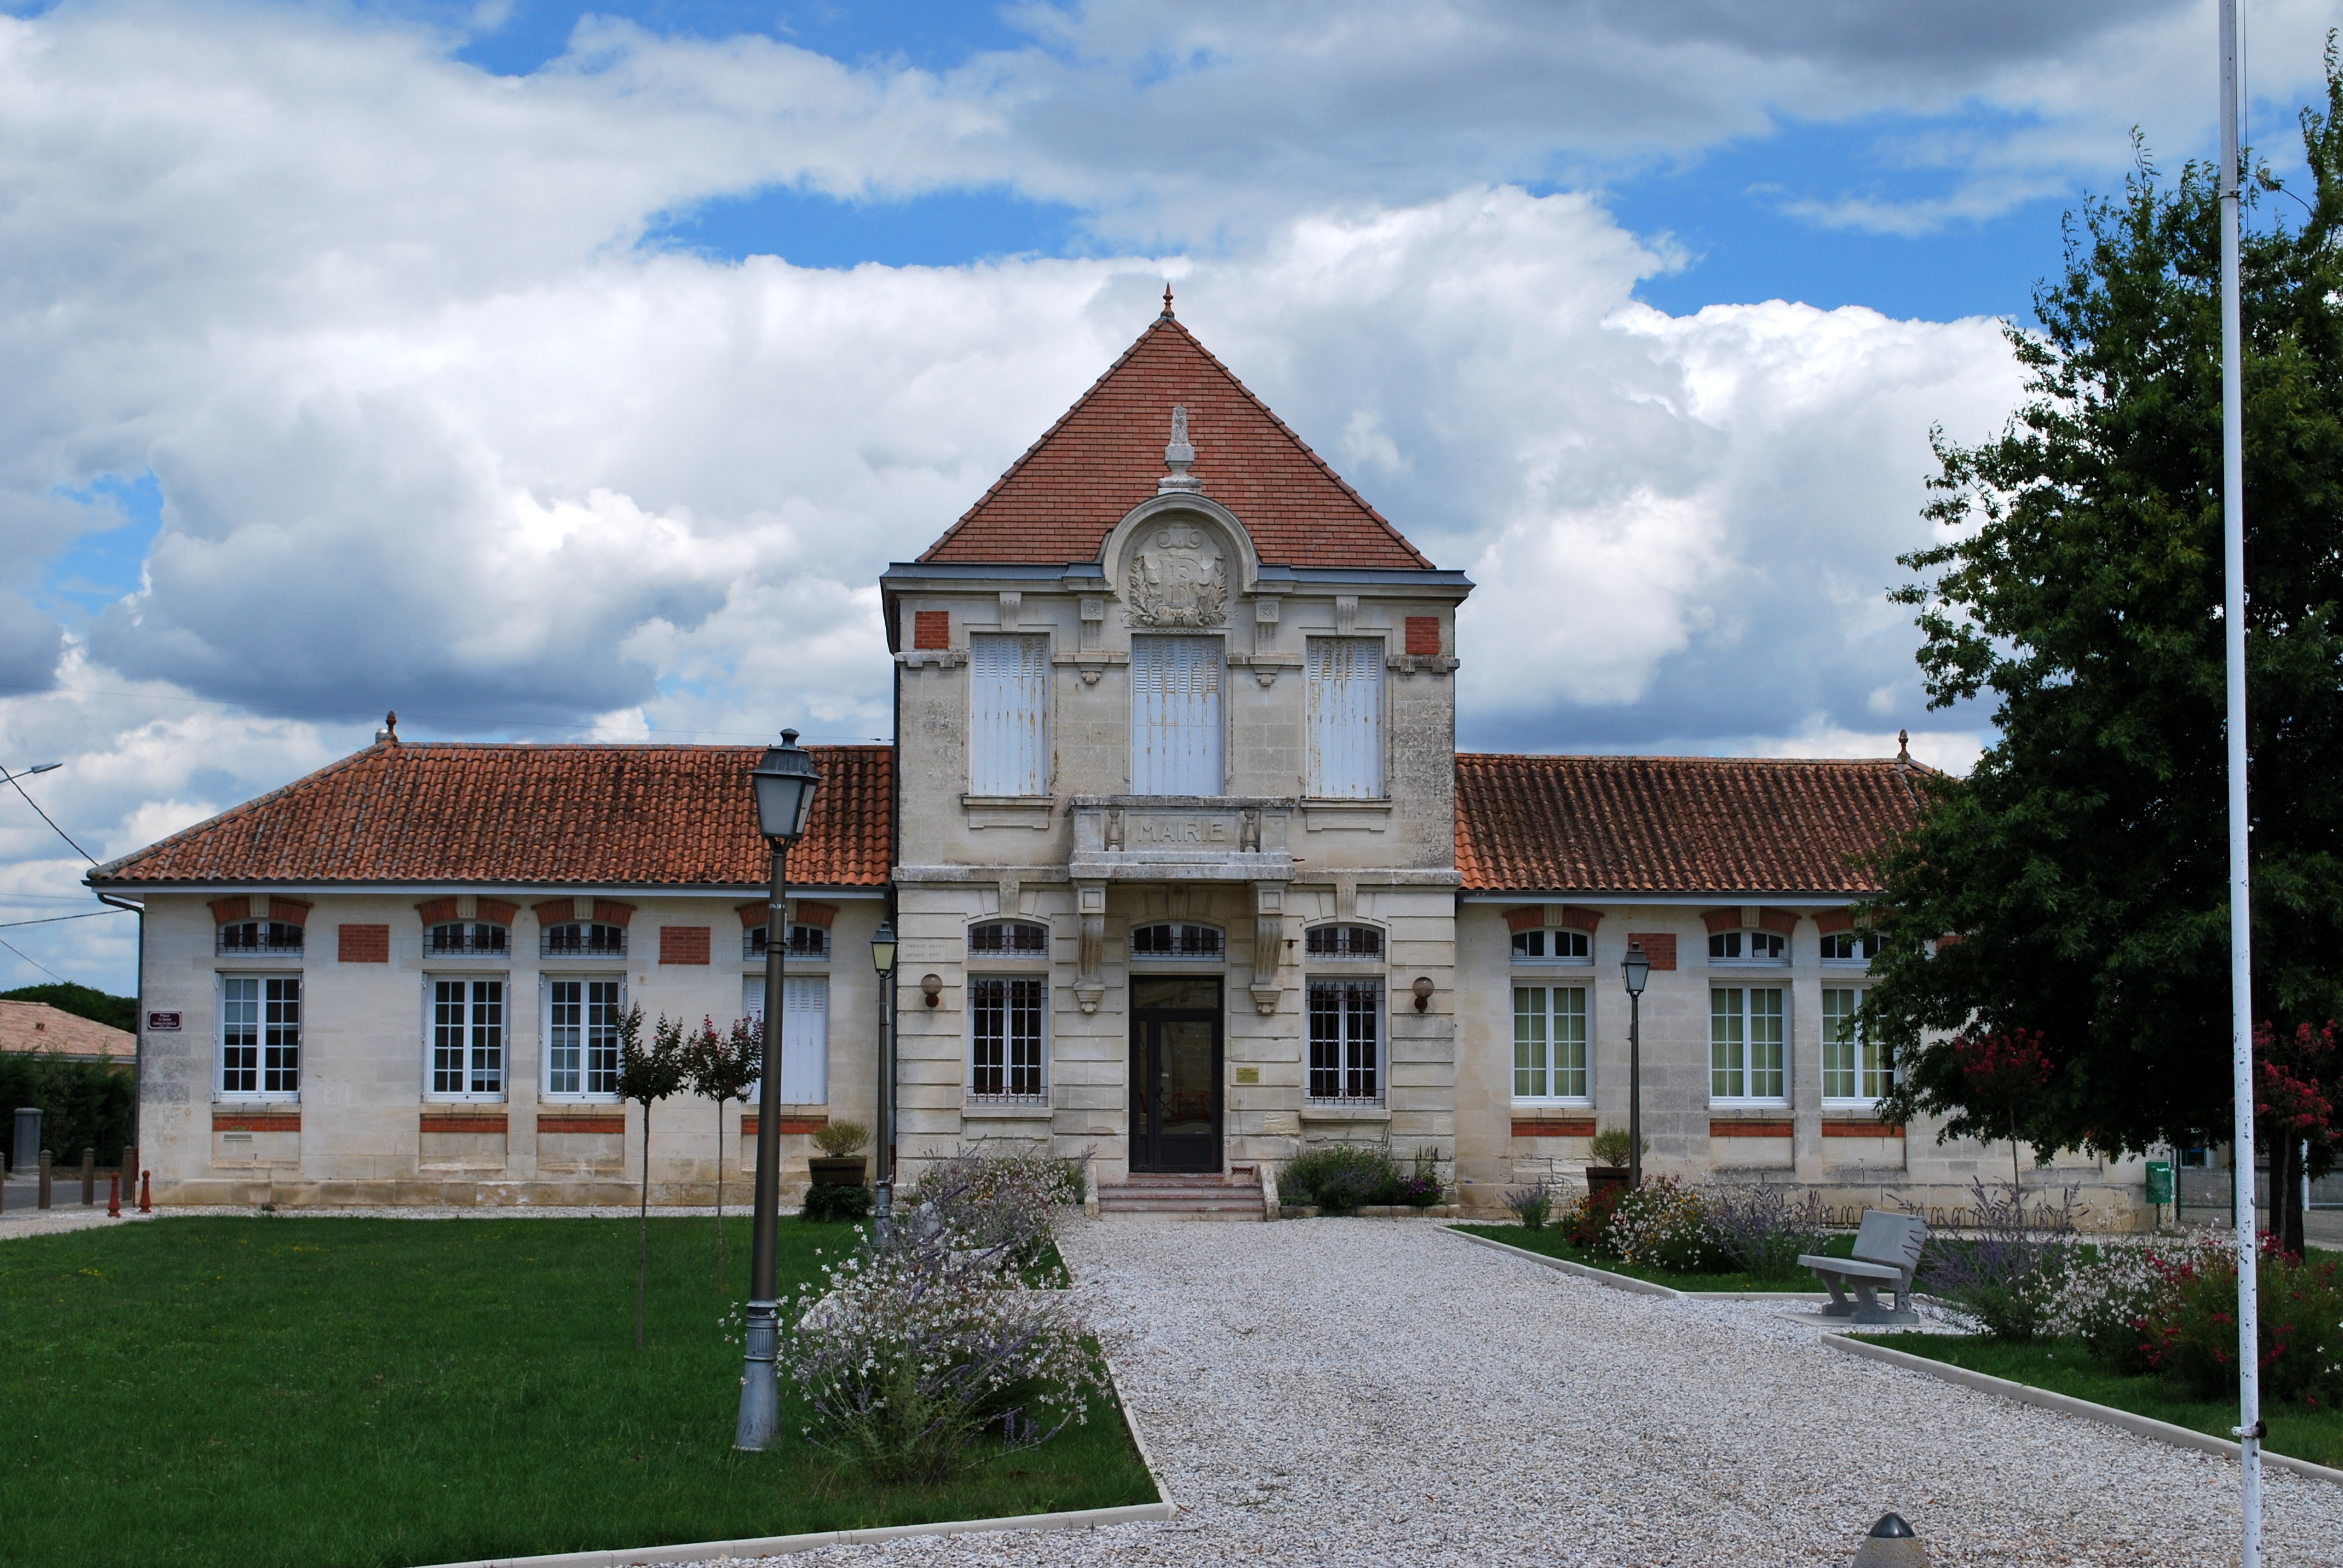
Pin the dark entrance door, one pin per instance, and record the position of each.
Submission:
(1175, 1073)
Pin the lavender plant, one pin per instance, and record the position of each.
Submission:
(1763, 1227)
(1007, 1201)
(1533, 1205)
(2005, 1273)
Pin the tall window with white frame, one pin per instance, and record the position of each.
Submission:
(1346, 708)
(1345, 1041)
(1008, 713)
(581, 1037)
(1175, 715)
(468, 1037)
(1748, 1044)
(1550, 1042)
(1857, 1068)
(260, 1037)
(1005, 1022)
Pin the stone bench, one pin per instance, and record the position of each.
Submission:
(1886, 1254)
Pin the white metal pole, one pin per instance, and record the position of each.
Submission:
(2241, 987)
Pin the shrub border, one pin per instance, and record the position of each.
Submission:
(2068, 1404)
(1629, 1282)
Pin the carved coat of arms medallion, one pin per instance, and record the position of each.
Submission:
(1179, 577)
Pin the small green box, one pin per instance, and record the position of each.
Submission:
(2159, 1181)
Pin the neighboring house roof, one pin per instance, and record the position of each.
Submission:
(26, 1027)
(582, 816)
(1058, 501)
(1674, 824)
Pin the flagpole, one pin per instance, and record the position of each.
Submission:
(2242, 997)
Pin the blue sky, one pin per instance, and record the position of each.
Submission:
(548, 373)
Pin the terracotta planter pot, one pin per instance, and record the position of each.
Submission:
(1602, 1179)
(829, 1173)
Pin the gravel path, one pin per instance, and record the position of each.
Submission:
(1375, 1392)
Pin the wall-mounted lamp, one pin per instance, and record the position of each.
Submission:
(1422, 993)
(932, 987)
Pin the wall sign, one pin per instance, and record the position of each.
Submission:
(162, 1023)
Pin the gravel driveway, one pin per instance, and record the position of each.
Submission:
(1364, 1391)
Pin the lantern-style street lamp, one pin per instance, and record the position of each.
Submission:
(785, 781)
(1634, 970)
(882, 958)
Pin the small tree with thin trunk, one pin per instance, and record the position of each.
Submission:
(2002, 1074)
(2294, 1113)
(724, 1068)
(648, 1074)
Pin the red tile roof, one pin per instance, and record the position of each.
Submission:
(559, 815)
(1674, 824)
(1058, 501)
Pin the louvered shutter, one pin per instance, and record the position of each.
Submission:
(805, 1039)
(1175, 715)
(1008, 713)
(1346, 718)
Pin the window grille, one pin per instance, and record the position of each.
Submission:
(581, 1052)
(260, 1035)
(1556, 944)
(808, 942)
(1549, 1042)
(1171, 939)
(1345, 1032)
(468, 937)
(1021, 939)
(583, 939)
(1851, 947)
(1749, 947)
(1006, 1012)
(240, 937)
(468, 1037)
(1343, 942)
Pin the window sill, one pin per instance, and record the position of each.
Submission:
(1321, 816)
(1000, 1107)
(1033, 811)
(1544, 966)
(1762, 965)
(1345, 1111)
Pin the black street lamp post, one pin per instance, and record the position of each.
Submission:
(785, 781)
(1634, 969)
(882, 958)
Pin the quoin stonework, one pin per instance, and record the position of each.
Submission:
(1188, 873)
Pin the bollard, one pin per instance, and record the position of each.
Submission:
(1891, 1545)
(145, 1191)
(114, 1196)
(43, 1200)
(88, 1177)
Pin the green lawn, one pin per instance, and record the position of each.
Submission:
(326, 1392)
(2064, 1367)
(1549, 1242)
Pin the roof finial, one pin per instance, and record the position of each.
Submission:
(1167, 299)
(1178, 455)
(1903, 746)
(389, 733)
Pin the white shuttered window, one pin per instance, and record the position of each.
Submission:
(805, 1033)
(1346, 718)
(1008, 713)
(1175, 715)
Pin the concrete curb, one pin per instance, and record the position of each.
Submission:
(1629, 1282)
(2068, 1404)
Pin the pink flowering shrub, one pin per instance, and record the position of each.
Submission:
(2191, 1329)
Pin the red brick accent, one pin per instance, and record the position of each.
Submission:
(1830, 921)
(683, 944)
(582, 1121)
(498, 911)
(1528, 918)
(1949, 940)
(364, 945)
(1721, 920)
(1781, 921)
(1659, 947)
(555, 911)
(754, 916)
(435, 912)
(1718, 1129)
(1424, 636)
(809, 913)
(468, 1122)
(788, 1124)
(930, 629)
(1584, 1127)
(608, 913)
(1862, 1130)
(238, 907)
(1577, 919)
(287, 1121)
(292, 911)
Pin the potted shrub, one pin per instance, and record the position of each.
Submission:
(840, 1162)
(1607, 1153)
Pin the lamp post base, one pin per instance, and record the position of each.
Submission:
(760, 1400)
(882, 1213)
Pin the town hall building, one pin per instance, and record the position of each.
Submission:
(1187, 871)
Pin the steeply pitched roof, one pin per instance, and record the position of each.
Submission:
(581, 816)
(1058, 501)
(1674, 824)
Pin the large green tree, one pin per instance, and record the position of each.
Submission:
(2083, 863)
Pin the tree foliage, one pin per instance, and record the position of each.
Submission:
(2083, 863)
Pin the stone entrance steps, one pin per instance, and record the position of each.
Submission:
(1207, 1197)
